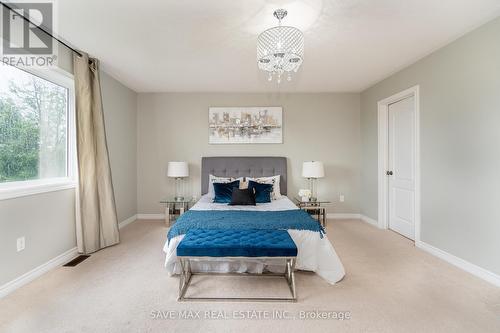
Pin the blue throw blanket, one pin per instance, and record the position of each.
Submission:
(230, 219)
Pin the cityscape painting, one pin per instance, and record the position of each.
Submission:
(229, 125)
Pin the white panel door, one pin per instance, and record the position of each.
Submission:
(401, 171)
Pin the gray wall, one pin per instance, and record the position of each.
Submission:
(48, 223)
(48, 220)
(459, 138)
(120, 106)
(325, 127)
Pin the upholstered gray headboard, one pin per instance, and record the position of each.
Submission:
(229, 166)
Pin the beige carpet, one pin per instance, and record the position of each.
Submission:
(390, 287)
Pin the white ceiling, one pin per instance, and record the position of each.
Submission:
(209, 45)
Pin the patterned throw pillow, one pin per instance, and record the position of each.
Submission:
(243, 183)
(274, 180)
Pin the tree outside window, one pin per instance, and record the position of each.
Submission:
(33, 127)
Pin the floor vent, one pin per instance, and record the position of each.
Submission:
(76, 261)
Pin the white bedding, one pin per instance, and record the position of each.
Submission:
(282, 203)
(314, 253)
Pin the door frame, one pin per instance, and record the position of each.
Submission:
(383, 157)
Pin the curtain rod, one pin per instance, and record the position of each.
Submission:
(42, 29)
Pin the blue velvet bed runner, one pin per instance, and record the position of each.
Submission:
(239, 220)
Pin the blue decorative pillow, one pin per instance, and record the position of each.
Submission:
(224, 191)
(262, 191)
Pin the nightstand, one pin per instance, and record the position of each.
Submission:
(315, 208)
(174, 209)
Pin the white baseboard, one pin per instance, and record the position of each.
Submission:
(333, 216)
(456, 261)
(341, 216)
(150, 216)
(127, 221)
(460, 263)
(368, 220)
(38, 271)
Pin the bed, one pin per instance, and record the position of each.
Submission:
(315, 252)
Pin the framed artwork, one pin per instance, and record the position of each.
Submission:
(233, 125)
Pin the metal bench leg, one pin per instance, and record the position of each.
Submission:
(287, 271)
(185, 278)
(290, 277)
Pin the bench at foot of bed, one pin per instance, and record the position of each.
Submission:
(199, 244)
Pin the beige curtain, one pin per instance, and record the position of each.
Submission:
(96, 221)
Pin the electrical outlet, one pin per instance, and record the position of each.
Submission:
(21, 244)
(341, 198)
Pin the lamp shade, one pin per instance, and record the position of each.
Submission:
(178, 169)
(313, 169)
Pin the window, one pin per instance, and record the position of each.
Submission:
(36, 131)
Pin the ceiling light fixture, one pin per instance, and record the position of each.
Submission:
(280, 50)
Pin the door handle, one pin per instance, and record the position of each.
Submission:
(389, 173)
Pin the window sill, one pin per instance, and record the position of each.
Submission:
(22, 189)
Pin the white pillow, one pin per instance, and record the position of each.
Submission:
(275, 180)
(214, 179)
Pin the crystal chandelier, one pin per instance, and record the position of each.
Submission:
(280, 50)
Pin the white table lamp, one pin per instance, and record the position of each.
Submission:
(313, 170)
(178, 170)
